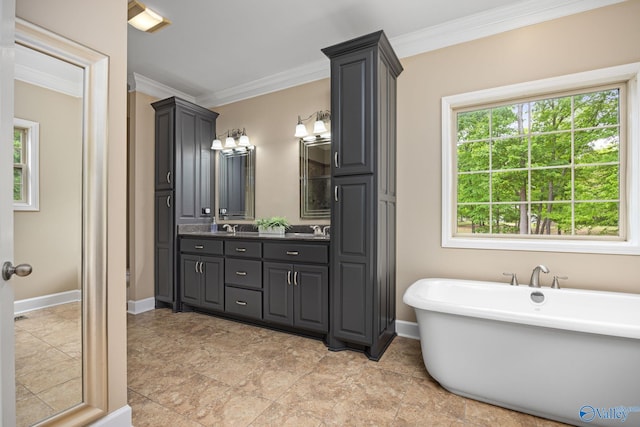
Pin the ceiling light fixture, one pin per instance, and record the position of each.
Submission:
(230, 143)
(145, 19)
(319, 126)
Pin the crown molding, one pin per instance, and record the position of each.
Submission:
(50, 73)
(296, 76)
(479, 25)
(139, 83)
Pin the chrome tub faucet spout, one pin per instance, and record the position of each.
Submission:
(535, 275)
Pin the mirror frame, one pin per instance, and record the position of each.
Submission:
(250, 210)
(305, 211)
(94, 217)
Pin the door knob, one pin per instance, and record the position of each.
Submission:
(20, 270)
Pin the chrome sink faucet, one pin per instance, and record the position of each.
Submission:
(317, 231)
(325, 230)
(230, 228)
(535, 275)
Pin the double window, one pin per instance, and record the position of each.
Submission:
(548, 165)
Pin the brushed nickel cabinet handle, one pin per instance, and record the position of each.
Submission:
(295, 278)
(196, 266)
(241, 302)
(335, 159)
(169, 177)
(201, 267)
(292, 253)
(169, 201)
(335, 193)
(241, 273)
(198, 247)
(241, 250)
(288, 277)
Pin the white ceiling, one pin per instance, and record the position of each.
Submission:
(216, 52)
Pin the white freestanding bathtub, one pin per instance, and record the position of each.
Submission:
(574, 356)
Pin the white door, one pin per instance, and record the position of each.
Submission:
(7, 346)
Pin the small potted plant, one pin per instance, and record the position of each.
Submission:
(274, 225)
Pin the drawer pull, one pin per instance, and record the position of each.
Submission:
(241, 250)
(241, 302)
(241, 273)
(293, 253)
(198, 247)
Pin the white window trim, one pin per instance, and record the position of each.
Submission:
(629, 73)
(32, 180)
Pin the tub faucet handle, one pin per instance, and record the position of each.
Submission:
(556, 284)
(514, 278)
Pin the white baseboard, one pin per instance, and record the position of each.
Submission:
(118, 418)
(36, 303)
(407, 329)
(137, 307)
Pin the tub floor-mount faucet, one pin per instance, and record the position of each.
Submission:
(534, 282)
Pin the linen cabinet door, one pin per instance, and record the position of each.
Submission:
(352, 259)
(164, 247)
(278, 293)
(212, 283)
(311, 297)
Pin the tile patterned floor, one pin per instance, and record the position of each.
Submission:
(48, 362)
(189, 369)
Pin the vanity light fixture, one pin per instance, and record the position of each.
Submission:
(319, 126)
(230, 143)
(145, 19)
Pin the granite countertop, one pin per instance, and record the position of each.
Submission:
(202, 230)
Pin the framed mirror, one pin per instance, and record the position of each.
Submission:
(237, 184)
(83, 347)
(315, 178)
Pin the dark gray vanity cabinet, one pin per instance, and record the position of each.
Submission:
(202, 273)
(184, 182)
(363, 105)
(296, 294)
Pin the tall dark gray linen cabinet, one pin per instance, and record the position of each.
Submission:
(184, 183)
(363, 174)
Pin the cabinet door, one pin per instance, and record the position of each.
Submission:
(278, 293)
(187, 164)
(352, 113)
(206, 167)
(352, 263)
(164, 246)
(164, 174)
(190, 279)
(311, 297)
(212, 283)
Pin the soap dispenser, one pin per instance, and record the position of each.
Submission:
(214, 226)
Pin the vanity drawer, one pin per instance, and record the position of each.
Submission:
(243, 272)
(294, 252)
(196, 246)
(243, 248)
(245, 302)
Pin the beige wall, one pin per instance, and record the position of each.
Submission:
(270, 121)
(141, 198)
(102, 26)
(596, 39)
(50, 239)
